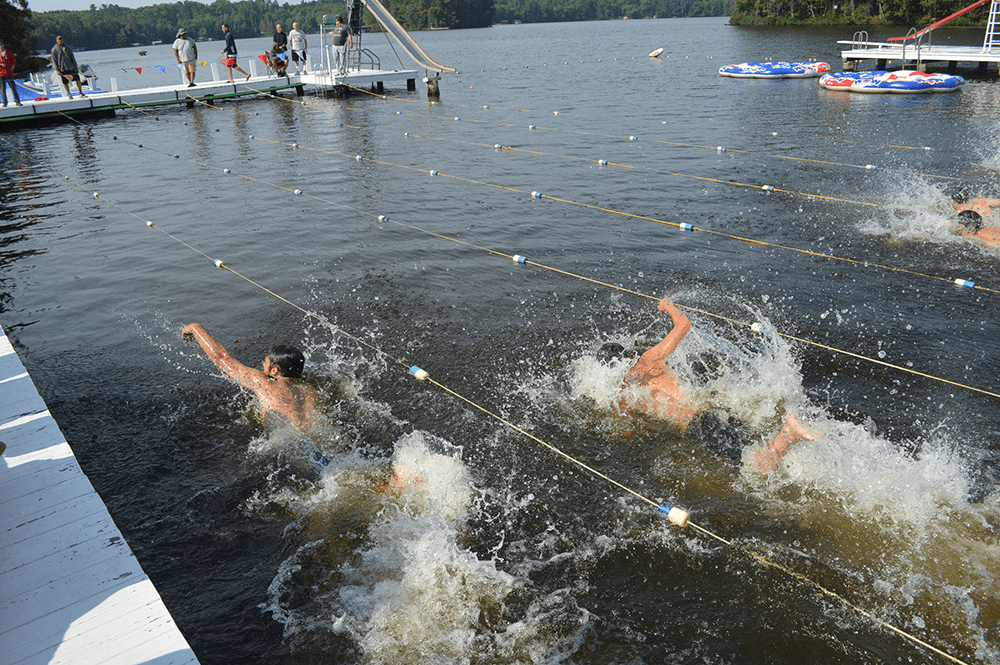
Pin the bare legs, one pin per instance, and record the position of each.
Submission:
(768, 459)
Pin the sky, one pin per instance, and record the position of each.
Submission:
(76, 5)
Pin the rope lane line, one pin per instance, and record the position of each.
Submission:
(755, 327)
(585, 133)
(684, 226)
(675, 515)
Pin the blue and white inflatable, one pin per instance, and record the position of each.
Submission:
(775, 70)
(903, 81)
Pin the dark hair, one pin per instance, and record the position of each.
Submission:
(288, 360)
(613, 351)
(960, 195)
(971, 220)
(225, 25)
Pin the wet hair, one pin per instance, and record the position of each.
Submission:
(961, 195)
(971, 220)
(288, 360)
(614, 351)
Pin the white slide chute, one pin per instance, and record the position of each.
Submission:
(390, 23)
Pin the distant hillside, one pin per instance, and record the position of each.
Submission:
(111, 26)
(544, 11)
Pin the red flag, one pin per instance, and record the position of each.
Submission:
(138, 69)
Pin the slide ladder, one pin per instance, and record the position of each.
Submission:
(991, 41)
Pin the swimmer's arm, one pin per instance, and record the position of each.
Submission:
(682, 326)
(217, 353)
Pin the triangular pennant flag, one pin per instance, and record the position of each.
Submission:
(138, 69)
(203, 63)
(162, 68)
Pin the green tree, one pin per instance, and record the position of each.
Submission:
(15, 30)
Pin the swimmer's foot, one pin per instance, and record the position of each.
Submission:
(400, 479)
(770, 457)
(796, 430)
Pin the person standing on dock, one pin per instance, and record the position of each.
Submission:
(342, 41)
(7, 63)
(277, 388)
(660, 394)
(64, 62)
(186, 52)
(298, 45)
(230, 53)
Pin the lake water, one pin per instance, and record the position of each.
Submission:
(507, 552)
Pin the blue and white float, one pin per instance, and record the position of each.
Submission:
(775, 70)
(903, 81)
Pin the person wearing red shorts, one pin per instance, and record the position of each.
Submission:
(230, 53)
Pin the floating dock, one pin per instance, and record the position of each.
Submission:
(911, 51)
(104, 104)
(911, 56)
(70, 589)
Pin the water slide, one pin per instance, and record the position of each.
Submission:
(938, 24)
(389, 22)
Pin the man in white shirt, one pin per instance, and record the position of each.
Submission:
(297, 45)
(186, 52)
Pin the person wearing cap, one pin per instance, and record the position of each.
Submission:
(64, 62)
(971, 212)
(186, 52)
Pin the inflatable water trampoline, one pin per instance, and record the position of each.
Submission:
(775, 70)
(904, 81)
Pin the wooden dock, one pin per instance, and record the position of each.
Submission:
(913, 56)
(70, 589)
(105, 104)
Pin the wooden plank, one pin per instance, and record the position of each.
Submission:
(70, 588)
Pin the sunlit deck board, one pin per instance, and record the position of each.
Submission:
(894, 52)
(70, 589)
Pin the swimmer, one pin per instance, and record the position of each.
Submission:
(276, 387)
(663, 396)
(970, 217)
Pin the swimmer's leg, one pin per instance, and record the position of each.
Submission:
(399, 480)
(768, 459)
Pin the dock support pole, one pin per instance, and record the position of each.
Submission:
(411, 85)
(432, 82)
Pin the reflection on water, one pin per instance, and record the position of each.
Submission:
(272, 547)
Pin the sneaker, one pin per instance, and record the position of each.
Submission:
(191, 85)
(18, 104)
(248, 77)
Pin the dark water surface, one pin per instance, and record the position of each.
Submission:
(506, 552)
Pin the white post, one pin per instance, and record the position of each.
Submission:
(180, 68)
(253, 67)
(114, 85)
(215, 71)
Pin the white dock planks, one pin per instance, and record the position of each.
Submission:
(70, 589)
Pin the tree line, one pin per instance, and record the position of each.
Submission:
(545, 11)
(111, 26)
(908, 13)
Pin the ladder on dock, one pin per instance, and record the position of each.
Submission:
(991, 41)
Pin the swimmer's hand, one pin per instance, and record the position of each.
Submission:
(187, 336)
(187, 333)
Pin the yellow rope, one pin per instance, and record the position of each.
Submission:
(801, 340)
(678, 225)
(753, 555)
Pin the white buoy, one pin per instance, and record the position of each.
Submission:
(433, 172)
(298, 191)
(218, 263)
(358, 157)
(96, 195)
(225, 170)
(756, 327)
(149, 224)
(536, 195)
(531, 126)
(382, 218)
(633, 138)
